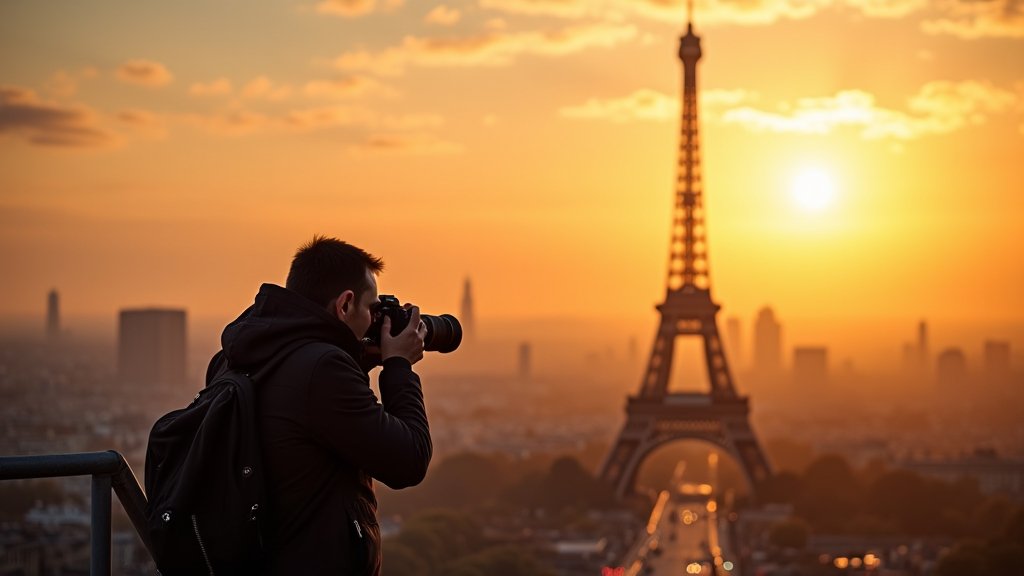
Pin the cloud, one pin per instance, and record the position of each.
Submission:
(412, 122)
(442, 16)
(720, 97)
(744, 12)
(937, 108)
(238, 122)
(242, 122)
(407, 145)
(748, 12)
(493, 48)
(23, 114)
(648, 105)
(887, 8)
(964, 18)
(326, 117)
(143, 122)
(263, 88)
(63, 84)
(144, 73)
(560, 8)
(971, 19)
(355, 8)
(348, 87)
(230, 123)
(399, 135)
(218, 87)
(674, 11)
(640, 105)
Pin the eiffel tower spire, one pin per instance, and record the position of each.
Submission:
(688, 256)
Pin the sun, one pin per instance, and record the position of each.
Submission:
(813, 190)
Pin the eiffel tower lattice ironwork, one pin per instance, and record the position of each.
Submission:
(655, 417)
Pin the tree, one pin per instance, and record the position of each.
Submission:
(790, 533)
(831, 494)
(426, 543)
(465, 480)
(498, 561)
(905, 497)
(400, 560)
(458, 534)
(781, 488)
(566, 485)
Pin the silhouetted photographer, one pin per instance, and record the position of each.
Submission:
(270, 469)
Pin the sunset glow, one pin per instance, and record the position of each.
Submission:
(481, 138)
(813, 190)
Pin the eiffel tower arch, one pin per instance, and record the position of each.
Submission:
(654, 416)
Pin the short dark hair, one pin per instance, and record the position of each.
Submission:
(325, 267)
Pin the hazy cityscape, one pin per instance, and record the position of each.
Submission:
(492, 409)
(844, 396)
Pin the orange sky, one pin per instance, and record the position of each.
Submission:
(177, 153)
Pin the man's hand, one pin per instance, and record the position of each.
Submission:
(408, 343)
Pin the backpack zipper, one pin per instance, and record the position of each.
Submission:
(202, 547)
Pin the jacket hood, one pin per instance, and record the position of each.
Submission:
(279, 320)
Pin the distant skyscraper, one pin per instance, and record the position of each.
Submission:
(951, 368)
(922, 344)
(810, 366)
(524, 360)
(151, 347)
(916, 358)
(53, 315)
(734, 340)
(767, 343)
(467, 319)
(997, 361)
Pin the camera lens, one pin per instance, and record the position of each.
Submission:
(444, 333)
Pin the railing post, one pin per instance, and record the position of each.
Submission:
(101, 526)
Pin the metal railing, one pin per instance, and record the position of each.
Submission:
(109, 471)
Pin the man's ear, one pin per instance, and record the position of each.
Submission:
(344, 303)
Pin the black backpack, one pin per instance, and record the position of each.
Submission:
(205, 482)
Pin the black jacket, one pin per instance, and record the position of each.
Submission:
(325, 437)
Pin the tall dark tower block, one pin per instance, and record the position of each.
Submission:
(767, 344)
(655, 416)
(52, 315)
(467, 320)
(922, 344)
(151, 347)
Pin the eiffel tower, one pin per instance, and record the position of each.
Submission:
(655, 417)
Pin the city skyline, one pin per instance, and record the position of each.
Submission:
(886, 355)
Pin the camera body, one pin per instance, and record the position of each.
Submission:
(444, 333)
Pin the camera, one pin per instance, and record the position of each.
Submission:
(444, 333)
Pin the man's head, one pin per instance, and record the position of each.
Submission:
(339, 277)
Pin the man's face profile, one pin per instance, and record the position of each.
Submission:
(356, 311)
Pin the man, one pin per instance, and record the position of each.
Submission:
(324, 435)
